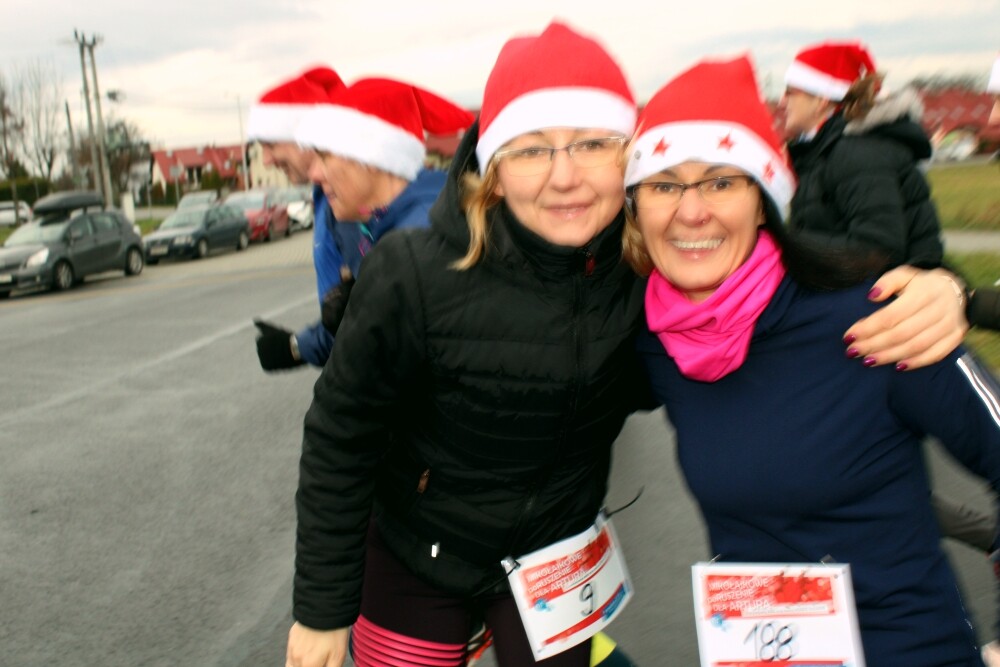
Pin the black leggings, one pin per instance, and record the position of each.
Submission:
(405, 609)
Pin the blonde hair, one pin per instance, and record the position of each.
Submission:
(860, 97)
(633, 247)
(478, 197)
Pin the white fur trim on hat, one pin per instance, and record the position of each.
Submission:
(815, 82)
(713, 143)
(275, 122)
(994, 85)
(366, 139)
(556, 107)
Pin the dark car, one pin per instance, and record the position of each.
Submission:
(70, 238)
(268, 219)
(198, 198)
(197, 231)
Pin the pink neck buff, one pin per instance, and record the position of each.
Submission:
(709, 340)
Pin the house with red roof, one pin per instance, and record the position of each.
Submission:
(188, 166)
(957, 114)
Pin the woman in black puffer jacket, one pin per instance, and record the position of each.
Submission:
(482, 372)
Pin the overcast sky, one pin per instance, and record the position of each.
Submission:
(189, 69)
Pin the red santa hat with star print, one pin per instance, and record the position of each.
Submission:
(381, 123)
(559, 78)
(713, 113)
(278, 112)
(827, 70)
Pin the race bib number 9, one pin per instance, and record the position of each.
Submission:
(570, 590)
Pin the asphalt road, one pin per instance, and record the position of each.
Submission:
(148, 466)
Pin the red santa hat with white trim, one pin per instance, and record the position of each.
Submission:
(381, 123)
(827, 70)
(278, 112)
(559, 78)
(713, 113)
(994, 83)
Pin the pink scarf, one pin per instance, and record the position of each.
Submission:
(709, 340)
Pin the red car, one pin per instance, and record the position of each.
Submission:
(268, 217)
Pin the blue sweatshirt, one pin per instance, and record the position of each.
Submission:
(337, 244)
(802, 455)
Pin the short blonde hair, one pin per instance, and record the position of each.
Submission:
(478, 198)
(633, 247)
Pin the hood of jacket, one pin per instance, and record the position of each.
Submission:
(896, 116)
(512, 246)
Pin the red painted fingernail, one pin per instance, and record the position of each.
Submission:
(852, 353)
(901, 366)
(869, 362)
(849, 338)
(874, 292)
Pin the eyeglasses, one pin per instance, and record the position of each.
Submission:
(586, 153)
(667, 194)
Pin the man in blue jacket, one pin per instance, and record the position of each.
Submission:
(272, 123)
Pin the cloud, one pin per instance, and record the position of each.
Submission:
(184, 64)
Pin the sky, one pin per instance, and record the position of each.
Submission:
(188, 71)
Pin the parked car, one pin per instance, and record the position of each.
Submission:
(71, 237)
(298, 202)
(198, 198)
(268, 219)
(196, 231)
(10, 216)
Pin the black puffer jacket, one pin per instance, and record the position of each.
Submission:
(472, 410)
(860, 185)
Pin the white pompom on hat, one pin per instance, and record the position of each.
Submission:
(278, 112)
(994, 83)
(713, 113)
(827, 70)
(556, 79)
(381, 123)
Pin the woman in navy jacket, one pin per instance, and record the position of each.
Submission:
(794, 453)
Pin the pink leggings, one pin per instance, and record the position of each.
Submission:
(407, 623)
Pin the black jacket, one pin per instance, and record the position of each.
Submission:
(472, 410)
(860, 185)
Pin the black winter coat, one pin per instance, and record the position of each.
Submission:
(860, 185)
(473, 411)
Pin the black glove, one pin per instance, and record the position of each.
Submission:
(274, 347)
(335, 304)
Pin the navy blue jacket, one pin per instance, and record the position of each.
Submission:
(346, 244)
(802, 455)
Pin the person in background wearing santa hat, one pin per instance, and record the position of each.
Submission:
(856, 157)
(482, 371)
(272, 122)
(743, 314)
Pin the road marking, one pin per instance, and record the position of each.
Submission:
(116, 379)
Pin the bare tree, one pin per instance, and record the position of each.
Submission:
(37, 102)
(11, 131)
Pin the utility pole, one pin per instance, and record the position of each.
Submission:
(72, 148)
(243, 146)
(105, 170)
(95, 166)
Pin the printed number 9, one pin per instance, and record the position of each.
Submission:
(587, 595)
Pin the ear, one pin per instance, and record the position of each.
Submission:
(498, 190)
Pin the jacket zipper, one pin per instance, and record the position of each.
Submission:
(589, 262)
